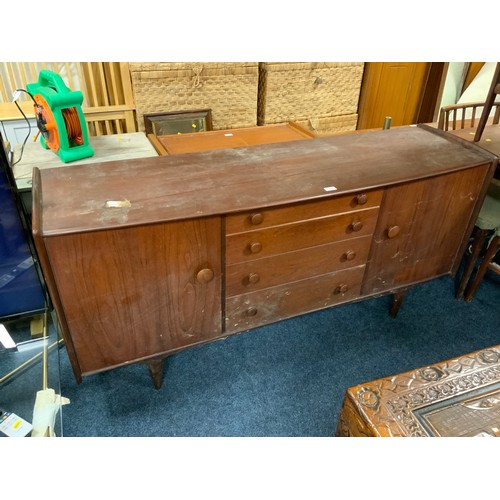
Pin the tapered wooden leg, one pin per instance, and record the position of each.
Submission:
(493, 248)
(477, 245)
(397, 300)
(155, 367)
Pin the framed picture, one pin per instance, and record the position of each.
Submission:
(178, 122)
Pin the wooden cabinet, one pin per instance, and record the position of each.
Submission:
(154, 255)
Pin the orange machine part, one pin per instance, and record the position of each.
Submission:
(43, 109)
(73, 125)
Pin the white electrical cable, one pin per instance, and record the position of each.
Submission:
(15, 97)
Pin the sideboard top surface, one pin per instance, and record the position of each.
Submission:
(167, 188)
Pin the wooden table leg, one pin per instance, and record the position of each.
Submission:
(397, 300)
(155, 367)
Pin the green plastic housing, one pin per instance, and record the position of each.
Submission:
(58, 96)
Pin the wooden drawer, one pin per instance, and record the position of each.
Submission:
(280, 302)
(257, 219)
(288, 237)
(294, 266)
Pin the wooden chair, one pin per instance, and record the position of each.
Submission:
(460, 116)
(488, 105)
(487, 226)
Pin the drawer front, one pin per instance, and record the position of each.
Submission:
(249, 221)
(251, 245)
(280, 302)
(294, 266)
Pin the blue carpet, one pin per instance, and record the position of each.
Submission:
(286, 379)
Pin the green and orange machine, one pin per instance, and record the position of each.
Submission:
(59, 117)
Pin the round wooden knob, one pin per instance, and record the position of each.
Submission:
(356, 225)
(342, 288)
(251, 311)
(255, 247)
(253, 278)
(256, 219)
(205, 275)
(393, 231)
(350, 255)
(361, 199)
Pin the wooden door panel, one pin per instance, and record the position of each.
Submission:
(132, 293)
(420, 228)
(392, 89)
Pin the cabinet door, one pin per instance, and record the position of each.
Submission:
(132, 293)
(420, 229)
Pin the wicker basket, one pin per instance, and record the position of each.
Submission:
(228, 89)
(328, 125)
(299, 91)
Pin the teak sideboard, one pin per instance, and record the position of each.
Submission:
(146, 257)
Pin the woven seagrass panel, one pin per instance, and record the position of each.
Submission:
(228, 89)
(327, 125)
(299, 91)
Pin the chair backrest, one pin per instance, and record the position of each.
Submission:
(459, 116)
(489, 104)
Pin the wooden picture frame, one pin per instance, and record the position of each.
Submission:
(178, 122)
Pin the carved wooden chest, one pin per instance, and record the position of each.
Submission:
(456, 398)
